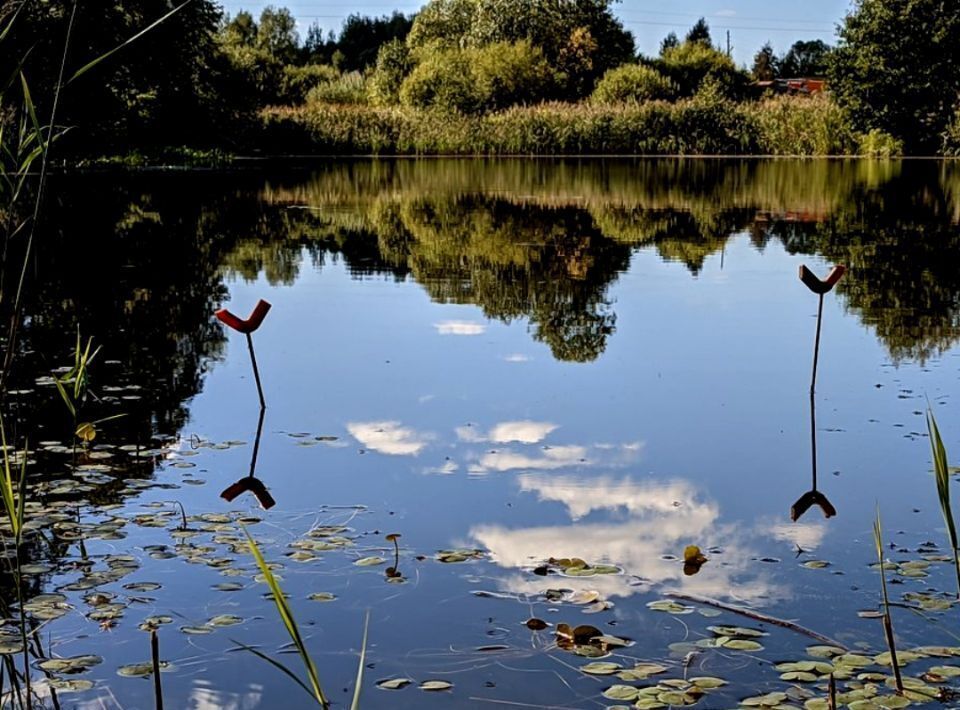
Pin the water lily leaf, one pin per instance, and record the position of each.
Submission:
(322, 597)
(196, 630)
(142, 586)
(601, 668)
(738, 631)
(621, 692)
(535, 624)
(800, 676)
(369, 561)
(645, 670)
(823, 651)
(944, 671)
(671, 607)
(708, 682)
(74, 664)
(140, 670)
(394, 683)
(225, 620)
(228, 587)
(435, 685)
(73, 685)
(742, 645)
(769, 700)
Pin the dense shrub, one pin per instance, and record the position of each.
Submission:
(476, 80)
(691, 63)
(349, 88)
(296, 82)
(632, 82)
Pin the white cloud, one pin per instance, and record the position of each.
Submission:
(517, 357)
(389, 437)
(460, 327)
(725, 13)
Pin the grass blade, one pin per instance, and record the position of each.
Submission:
(941, 472)
(355, 705)
(276, 664)
(887, 621)
(286, 615)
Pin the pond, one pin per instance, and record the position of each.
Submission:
(548, 378)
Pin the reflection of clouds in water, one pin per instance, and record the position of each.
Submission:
(525, 431)
(447, 468)
(551, 458)
(388, 437)
(664, 517)
(203, 697)
(809, 536)
(460, 327)
(583, 496)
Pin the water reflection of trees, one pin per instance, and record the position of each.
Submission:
(132, 266)
(544, 240)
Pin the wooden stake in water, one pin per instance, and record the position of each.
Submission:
(155, 656)
(247, 327)
(820, 288)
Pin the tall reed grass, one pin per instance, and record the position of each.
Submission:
(702, 125)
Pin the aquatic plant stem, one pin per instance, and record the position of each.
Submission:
(256, 371)
(757, 616)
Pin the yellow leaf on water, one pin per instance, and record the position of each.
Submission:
(693, 556)
(86, 431)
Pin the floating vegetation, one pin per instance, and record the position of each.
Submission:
(459, 555)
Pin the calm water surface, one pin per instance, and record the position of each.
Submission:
(530, 360)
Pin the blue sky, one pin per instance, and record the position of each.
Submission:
(750, 22)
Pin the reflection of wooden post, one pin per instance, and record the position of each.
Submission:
(820, 288)
(247, 327)
(250, 482)
(813, 496)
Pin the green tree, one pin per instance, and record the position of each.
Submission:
(160, 90)
(690, 64)
(277, 34)
(241, 29)
(361, 38)
(765, 64)
(669, 42)
(805, 59)
(582, 38)
(700, 33)
(633, 82)
(393, 65)
(897, 68)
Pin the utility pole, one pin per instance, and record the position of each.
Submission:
(729, 48)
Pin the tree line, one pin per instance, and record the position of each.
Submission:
(205, 79)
